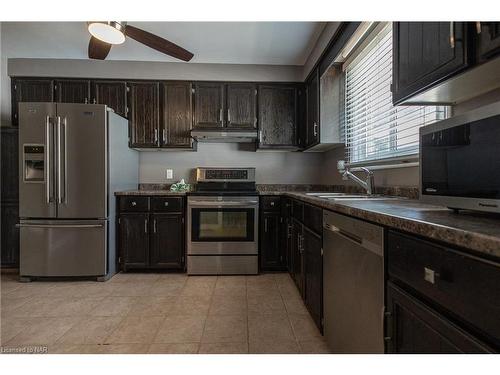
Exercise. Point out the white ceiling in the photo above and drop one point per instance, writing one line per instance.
(279, 43)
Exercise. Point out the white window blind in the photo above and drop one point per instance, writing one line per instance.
(374, 128)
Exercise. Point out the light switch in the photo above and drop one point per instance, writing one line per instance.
(170, 174)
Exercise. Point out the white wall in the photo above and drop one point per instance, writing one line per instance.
(272, 167)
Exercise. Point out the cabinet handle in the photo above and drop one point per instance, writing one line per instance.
(145, 225)
(134, 203)
(156, 135)
(272, 203)
(164, 136)
(220, 117)
(289, 231)
(478, 27)
(86, 101)
(452, 34)
(315, 129)
(260, 136)
(430, 275)
(265, 225)
(228, 116)
(94, 101)
(154, 225)
(165, 204)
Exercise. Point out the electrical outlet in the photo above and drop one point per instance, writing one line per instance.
(170, 174)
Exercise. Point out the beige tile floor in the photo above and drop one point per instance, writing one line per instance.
(159, 313)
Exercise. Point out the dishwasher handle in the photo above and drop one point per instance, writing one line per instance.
(366, 243)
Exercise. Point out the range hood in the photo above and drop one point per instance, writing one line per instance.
(224, 136)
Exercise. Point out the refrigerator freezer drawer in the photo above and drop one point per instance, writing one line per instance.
(63, 248)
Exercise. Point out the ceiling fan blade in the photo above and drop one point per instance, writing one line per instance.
(98, 49)
(157, 43)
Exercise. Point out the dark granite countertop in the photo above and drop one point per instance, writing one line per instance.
(471, 230)
(149, 192)
(475, 231)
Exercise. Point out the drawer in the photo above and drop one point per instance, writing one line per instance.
(313, 218)
(466, 286)
(167, 204)
(270, 203)
(298, 210)
(134, 204)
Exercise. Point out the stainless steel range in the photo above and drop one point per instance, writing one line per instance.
(223, 214)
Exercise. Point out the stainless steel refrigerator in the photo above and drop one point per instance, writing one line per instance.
(72, 159)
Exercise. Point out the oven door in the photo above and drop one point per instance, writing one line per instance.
(222, 225)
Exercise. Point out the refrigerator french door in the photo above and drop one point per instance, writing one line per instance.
(63, 189)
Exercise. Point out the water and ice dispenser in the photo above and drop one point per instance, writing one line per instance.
(34, 163)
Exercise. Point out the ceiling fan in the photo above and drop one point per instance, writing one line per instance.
(105, 34)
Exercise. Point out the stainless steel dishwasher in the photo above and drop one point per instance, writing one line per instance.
(353, 284)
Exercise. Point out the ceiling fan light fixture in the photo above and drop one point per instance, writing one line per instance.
(111, 32)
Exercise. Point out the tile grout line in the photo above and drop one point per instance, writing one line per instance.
(206, 316)
(289, 320)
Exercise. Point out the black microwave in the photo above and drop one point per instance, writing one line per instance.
(460, 161)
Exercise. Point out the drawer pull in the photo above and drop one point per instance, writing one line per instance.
(430, 275)
(272, 203)
(165, 204)
(134, 203)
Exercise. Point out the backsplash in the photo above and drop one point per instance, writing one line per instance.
(399, 191)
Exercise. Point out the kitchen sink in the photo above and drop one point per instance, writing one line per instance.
(346, 196)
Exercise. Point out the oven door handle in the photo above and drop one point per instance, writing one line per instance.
(217, 203)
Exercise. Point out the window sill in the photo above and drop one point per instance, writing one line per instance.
(391, 163)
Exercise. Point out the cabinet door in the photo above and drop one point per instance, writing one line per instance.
(134, 240)
(286, 232)
(241, 106)
(271, 256)
(10, 234)
(425, 53)
(144, 122)
(208, 105)
(9, 164)
(73, 91)
(30, 90)
(312, 127)
(313, 276)
(301, 116)
(167, 250)
(177, 114)
(488, 40)
(414, 328)
(297, 257)
(111, 93)
(277, 116)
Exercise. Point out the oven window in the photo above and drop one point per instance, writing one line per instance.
(222, 224)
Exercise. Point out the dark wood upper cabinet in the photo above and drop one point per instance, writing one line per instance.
(313, 275)
(488, 40)
(30, 90)
(167, 250)
(208, 105)
(241, 105)
(277, 116)
(426, 53)
(72, 91)
(144, 114)
(301, 116)
(134, 240)
(111, 93)
(312, 128)
(177, 112)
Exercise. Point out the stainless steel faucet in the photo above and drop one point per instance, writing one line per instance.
(368, 184)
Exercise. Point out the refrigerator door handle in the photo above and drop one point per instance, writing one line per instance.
(61, 160)
(48, 150)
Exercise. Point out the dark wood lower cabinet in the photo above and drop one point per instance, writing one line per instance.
(313, 275)
(134, 240)
(10, 234)
(151, 233)
(271, 251)
(167, 250)
(297, 271)
(414, 328)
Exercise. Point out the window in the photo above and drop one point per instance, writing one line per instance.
(374, 128)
